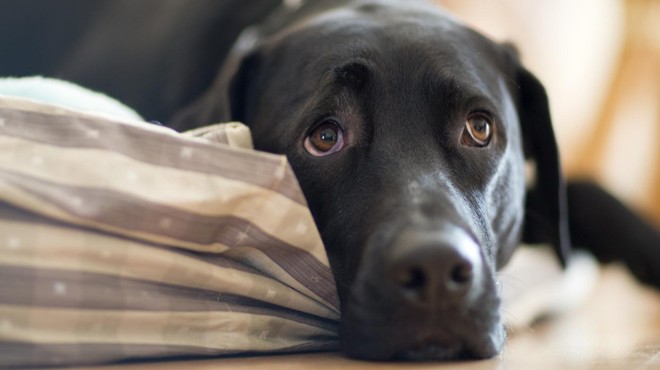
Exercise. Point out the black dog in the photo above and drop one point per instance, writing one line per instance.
(408, 132)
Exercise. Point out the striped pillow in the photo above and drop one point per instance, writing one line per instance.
(121, 240)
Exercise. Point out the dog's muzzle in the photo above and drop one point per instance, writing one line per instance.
(428, 295)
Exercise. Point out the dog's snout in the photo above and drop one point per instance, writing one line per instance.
(417, 299)
(434, 268)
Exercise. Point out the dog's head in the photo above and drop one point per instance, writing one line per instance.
(409, 134)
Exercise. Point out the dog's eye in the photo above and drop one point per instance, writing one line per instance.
(478, 131)
(327, 138)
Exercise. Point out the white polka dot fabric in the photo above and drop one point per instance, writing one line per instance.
(123, 240)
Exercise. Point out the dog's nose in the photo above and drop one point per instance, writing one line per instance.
(434, 268)
(433, 273)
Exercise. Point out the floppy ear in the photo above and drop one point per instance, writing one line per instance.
(546, 213)
(226, 99)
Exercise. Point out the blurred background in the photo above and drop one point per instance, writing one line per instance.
(600, 63)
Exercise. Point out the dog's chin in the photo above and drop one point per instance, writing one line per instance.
(373, 328)
(431, 350)
(435, 351)
(489, 346)
(397, 342)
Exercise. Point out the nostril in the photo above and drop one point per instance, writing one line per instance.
(461, 274)
(414, 283)
(412, 278)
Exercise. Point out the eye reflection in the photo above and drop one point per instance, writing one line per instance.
(478, 131)
(327, 138)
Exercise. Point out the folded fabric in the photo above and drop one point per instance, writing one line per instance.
(123, 240)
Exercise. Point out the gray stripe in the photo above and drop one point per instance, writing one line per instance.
(42, 287)
(150, 147)
(11, 213)
(131, 213)
(22, 355)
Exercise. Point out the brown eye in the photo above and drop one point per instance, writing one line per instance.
(478, 131)
(327, 138)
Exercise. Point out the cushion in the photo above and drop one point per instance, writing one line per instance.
(122, 240)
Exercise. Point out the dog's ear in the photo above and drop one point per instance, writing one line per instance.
(546, 213)
(226, 99)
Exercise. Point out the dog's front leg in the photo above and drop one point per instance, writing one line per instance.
(603, 225)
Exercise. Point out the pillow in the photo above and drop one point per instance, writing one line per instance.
(122, 240)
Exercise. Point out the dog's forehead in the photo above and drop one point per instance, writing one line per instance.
(388, 33)
(378, 23)
(380, 12)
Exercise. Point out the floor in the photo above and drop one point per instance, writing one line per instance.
(619, 328)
